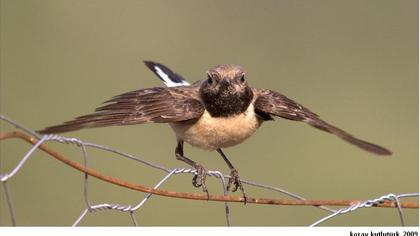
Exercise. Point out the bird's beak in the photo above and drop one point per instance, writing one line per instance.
(224, 82)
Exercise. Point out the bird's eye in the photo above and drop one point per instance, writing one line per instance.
(209, 79)
(242, 78)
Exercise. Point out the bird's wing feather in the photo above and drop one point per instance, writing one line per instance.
(159, 105)
(269, 102)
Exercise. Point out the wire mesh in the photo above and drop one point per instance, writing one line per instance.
(168, 173)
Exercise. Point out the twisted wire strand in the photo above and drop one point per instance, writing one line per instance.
(170, 172)
(370, 203)
(80, 143)
(123, 208)
(131, 209)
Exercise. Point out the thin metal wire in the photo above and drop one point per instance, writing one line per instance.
(85, 177)
(123, 208)
(133, 218)
(132, 157)
(399, 209)
(78, 142)
(222, 180)
(156, 186)
(370, 203)
(76, 223)
(6, 176)
(19, 126)
(10, 203)
(170, 172)
(185, 170)
(293, 195)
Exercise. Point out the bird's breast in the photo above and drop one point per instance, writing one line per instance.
(211, 133)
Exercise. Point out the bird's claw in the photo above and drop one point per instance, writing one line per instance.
(199, 179)
(236, 181)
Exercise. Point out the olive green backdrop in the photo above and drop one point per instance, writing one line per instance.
(353, 62)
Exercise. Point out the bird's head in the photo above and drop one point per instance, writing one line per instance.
(225, 92)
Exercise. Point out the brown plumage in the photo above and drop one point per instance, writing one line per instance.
(159, 105)
(177, 104)
(214, 113)
(274, 103)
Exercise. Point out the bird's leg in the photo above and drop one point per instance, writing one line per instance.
(234, 176)
(199, 179)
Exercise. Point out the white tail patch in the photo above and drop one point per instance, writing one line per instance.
(167, 80)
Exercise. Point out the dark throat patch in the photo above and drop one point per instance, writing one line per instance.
(225, 103)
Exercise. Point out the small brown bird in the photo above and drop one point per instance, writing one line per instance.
(214, 113)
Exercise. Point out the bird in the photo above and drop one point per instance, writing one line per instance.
(218, 111)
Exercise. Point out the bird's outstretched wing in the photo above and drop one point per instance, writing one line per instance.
(273, 103)
(159, 105)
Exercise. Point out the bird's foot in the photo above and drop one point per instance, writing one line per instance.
(236, 181)
(199, 179)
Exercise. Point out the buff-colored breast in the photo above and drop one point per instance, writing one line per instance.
(211, 133)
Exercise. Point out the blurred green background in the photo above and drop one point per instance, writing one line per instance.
(353, 62)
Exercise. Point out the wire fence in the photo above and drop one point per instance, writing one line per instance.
(39, 142)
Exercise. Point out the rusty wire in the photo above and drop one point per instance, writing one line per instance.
(38, 142)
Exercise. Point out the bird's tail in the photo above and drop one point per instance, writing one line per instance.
(170, 78)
